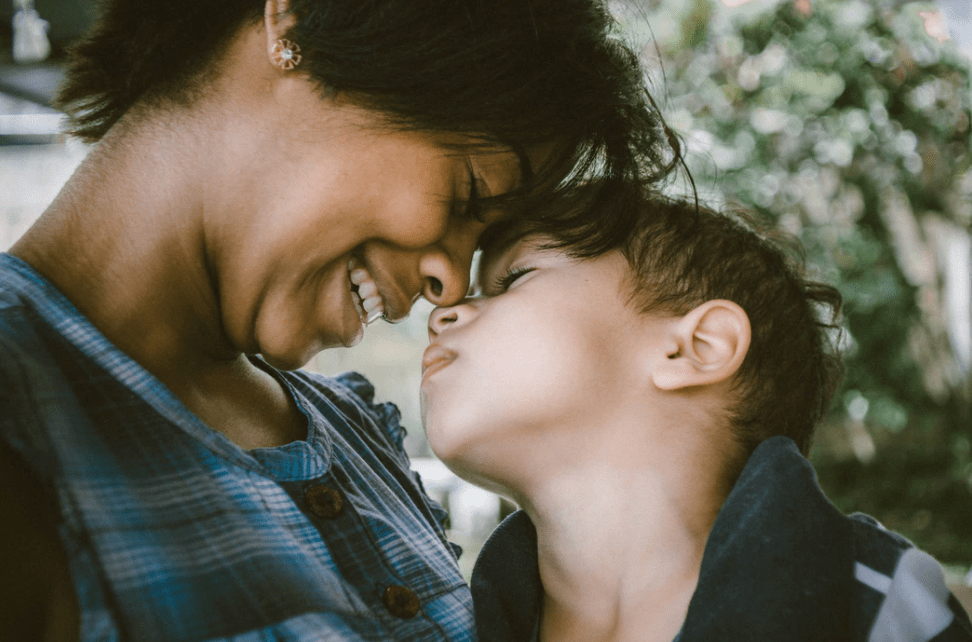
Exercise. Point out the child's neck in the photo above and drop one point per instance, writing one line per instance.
(621, 543)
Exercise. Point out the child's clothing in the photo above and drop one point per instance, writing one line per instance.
(781, 564)
(173, 533)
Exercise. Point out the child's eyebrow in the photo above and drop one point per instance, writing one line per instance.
(499, 238)
(476, 287)
(486, 265)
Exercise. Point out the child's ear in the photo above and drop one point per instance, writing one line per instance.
(706, 346)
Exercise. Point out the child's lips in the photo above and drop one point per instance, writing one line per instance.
(435, 358)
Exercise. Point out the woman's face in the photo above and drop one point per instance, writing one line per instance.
(333, 219)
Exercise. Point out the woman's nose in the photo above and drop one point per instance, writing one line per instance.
(445, 269)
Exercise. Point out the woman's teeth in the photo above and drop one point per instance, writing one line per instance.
(364, 292)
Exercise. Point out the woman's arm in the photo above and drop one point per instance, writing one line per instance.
(37, 600)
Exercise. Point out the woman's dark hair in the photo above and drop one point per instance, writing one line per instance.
(509, 72)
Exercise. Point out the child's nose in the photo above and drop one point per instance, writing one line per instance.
(459, 314)
(440, 319)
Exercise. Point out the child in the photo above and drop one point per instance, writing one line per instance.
(650, 407)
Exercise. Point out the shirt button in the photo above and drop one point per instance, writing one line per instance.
(324, 501)
(400, 602)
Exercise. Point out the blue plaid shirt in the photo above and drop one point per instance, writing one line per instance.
(174, 533)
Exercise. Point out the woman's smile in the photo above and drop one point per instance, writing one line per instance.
(338, 227)
(364, 292)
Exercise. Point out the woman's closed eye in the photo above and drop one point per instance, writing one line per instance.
(473, 209)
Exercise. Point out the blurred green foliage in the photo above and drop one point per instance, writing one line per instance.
(849, 125)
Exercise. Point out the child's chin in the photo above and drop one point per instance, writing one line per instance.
(453, 454)
(446, 450)
(446, 439)
(470, 467)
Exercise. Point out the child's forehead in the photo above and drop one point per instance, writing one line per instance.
(507, 249)
(499, 239)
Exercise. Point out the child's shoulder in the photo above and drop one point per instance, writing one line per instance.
(901, 590)
(875, 546)
(790, 551)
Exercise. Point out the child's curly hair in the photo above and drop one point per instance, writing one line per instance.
(682, 254)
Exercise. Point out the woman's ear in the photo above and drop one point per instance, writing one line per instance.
(706, 346)
(278, 20)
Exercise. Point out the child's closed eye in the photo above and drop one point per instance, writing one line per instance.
(503, 283)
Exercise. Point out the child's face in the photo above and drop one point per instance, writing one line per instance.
(547, 353)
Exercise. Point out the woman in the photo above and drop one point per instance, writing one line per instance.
(268, 179)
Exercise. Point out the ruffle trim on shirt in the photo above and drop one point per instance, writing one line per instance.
(387, 414)
(440, 515)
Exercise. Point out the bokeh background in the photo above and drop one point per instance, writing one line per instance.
(848, 124)
(845, 122)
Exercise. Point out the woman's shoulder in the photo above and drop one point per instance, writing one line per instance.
(27, 370)
(30, 309)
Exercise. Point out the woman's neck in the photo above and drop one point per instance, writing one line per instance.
(123, 242)
(621, 543)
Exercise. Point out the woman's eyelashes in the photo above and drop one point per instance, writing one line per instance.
(473, 209)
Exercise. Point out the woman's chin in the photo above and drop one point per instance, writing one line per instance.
(285, 362)
(290, 357)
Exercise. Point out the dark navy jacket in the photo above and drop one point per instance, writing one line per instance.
(781, 564)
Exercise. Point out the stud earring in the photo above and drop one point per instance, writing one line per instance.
(286, 54)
